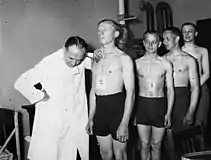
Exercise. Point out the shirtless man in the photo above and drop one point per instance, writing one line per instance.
(153, 109)
(186, 81)
(201, 55)
(110, 107)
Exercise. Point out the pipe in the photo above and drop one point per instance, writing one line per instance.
(146, 6)
(164, 16)
(122, 10)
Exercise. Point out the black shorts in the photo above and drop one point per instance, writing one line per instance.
(108, 114)
(151, 111)
(181, 106)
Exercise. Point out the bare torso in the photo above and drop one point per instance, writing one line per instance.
(180, 64)
(107, 74)
(151, 76)
(197, 53)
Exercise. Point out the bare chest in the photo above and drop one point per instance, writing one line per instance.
(108, 65)
(151, 70)
(179, 67)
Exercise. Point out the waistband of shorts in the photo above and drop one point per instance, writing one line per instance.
(111, 95)
(152, 98)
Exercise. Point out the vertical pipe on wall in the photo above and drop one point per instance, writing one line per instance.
(149, 14)
(122, 10)
(164, 16)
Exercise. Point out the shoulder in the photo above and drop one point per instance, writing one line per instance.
(189, 59)
(124, 57)
(139, 61)
(165, 62)
(51, 59)
(202, 50)
(54, 56)
(165, 56)
(185, 56)
(125, 60)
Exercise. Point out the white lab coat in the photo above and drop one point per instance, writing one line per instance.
(59, 123)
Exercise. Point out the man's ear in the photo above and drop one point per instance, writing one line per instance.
(177, 38)
(143, 42)
(159, 43)
(116, 34)
(196, 33)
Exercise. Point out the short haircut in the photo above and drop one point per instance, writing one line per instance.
(176, 31)
(75, 40)
(189, 24)
(123, 33)
(156, 33)
(112, 22)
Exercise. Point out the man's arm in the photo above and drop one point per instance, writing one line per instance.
(205, 67)
(194, 84)
(25, 84)
(92, 99)
(129, 83)
(170, 87)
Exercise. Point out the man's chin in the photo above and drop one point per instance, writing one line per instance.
(188, 40)
(151, 51)
(70, 65)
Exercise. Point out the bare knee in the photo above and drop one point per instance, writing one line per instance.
(145, 146)
(106, 154)
(120, 154)
(156, 146)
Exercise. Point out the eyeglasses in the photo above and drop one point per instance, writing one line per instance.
(187, 32)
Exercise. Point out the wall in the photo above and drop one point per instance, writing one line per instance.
(190, 10)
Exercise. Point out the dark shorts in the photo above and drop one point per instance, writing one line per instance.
(151, 111)
(108, 114)
(203, 106)
(181, 106)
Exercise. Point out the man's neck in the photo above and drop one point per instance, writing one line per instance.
(175, 51)
(151, 55)
(108, 49)
(189, 44)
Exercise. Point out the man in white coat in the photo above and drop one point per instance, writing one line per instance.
(61, 103)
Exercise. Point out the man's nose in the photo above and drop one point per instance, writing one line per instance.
(186, 33)
(150, 44)
(101, 33)
(74, 62)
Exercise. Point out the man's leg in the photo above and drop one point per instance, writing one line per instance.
(120, 150)
(144, 133)
(156, 140)
(203, 106)
(168, 146)
(106, 147)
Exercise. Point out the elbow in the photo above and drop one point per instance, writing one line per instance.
(130, 92)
